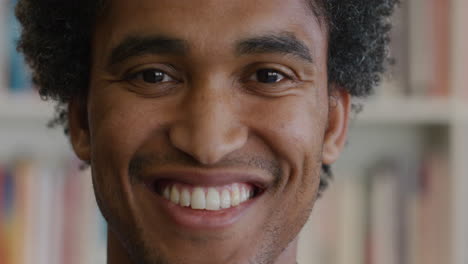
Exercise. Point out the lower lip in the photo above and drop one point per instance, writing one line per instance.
(203, 219)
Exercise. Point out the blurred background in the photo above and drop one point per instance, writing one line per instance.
(399, 194)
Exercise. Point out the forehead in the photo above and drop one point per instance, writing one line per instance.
(209, 24)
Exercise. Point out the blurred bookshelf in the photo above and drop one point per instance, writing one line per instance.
(48, 213)
(399, 189)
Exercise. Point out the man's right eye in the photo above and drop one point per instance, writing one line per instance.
(152, 82)
(151, 76)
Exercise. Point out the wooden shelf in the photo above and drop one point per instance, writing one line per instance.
(408, 111)
(25, 108)
(412, 111)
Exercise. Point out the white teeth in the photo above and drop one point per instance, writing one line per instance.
(225, 199)
(235, 195)
(209, 198)
(198, 199)
(167, 193)
(243, 194)
(185, 198)
(212, 199)
(175, 195)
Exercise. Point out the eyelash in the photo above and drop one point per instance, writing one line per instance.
(250, 81)
(134, 75)
(284, 76)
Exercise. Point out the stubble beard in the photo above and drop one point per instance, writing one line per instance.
(275, 240)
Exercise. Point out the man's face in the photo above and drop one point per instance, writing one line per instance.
(223, 101)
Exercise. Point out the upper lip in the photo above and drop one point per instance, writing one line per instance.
(209, 177)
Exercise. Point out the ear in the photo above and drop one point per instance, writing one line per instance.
(79, 129)
(337, 127)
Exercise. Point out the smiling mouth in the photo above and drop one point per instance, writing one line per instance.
(205, 200)
(209, 198)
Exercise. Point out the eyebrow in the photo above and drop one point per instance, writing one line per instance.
(285, 43)
(134, 46)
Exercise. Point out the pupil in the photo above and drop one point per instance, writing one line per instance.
(153, 76)
(267, 76)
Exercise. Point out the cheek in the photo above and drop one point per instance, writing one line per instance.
(112, 132)
(294, 130)
(293, 127)
(119, 124)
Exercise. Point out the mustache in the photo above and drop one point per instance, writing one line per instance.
(140, 162)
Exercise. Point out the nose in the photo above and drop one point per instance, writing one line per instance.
(209, 128)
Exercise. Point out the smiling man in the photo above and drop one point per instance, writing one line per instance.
(210, 125)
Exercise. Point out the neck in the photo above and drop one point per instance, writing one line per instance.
(117, 253)
(289, 255)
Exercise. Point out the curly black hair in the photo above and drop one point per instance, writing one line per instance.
(56, 41)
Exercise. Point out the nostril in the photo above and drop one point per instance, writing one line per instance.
(209, 140)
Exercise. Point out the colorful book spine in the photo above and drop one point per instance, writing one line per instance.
(429, 41)
(3, 242)
(433, 211)
(49, 215)
(395, 80)
(384, 214)
(3, 49)
(8, 214)
(19, 77)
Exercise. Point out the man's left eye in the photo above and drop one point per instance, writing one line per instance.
(267, 76)
(152, 76)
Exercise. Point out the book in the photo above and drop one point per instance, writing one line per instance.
(7, 214)
(395, 79)
(459, 49)
(3, 241)
(351, 211)
(19, 77)
(384, 213)
(48, 214)
(3, 49)
(318, 239)
(429, 42)
(433, 213)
